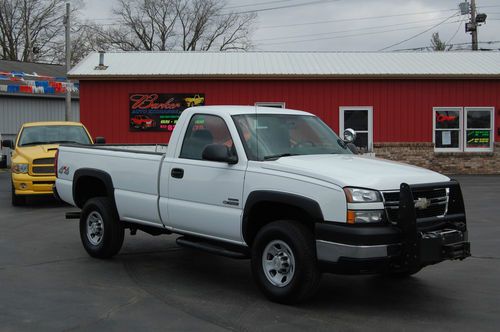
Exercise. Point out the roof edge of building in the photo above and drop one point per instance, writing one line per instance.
(281, 77)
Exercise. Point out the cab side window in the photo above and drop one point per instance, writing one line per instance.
(204, 130)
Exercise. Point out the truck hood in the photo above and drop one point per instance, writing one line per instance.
(37, 151)
(355, 171)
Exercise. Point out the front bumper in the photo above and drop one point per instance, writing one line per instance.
(410, 244)
(25, 184)
(432, 247)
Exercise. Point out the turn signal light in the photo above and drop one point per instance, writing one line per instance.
(364, 216)
(351, 216)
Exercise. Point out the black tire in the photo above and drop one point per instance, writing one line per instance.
(17, 200)
(306, 277)
(110, 242)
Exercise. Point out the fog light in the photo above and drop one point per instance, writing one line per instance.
(364, 216)
(23, 186)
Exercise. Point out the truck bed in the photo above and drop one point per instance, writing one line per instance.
(135, 171)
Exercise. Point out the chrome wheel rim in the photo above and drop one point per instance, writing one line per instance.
(278, 263)
(95, 228)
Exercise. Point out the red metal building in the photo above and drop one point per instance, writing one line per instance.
(424, 108)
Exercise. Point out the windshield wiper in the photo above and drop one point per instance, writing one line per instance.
(36, 143)
(277, 156)
(62, 142)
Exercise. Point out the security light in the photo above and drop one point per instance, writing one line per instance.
(481, 18)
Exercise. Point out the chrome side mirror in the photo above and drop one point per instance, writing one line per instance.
(349, 135)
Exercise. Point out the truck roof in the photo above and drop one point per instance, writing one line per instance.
(238, 109)
(51, 123)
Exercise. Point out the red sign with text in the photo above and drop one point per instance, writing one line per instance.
(160, 111)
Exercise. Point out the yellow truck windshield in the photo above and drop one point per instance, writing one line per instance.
(53, 135)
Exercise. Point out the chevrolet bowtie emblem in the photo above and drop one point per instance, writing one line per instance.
(422, 203)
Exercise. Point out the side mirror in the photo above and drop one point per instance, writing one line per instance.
(8, 144)
(349, 135)
(100, 140)
(218, 152)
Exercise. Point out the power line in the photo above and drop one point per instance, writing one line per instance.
(257, 4)
(345, 36)
(418, 34)
(278, 7)
(356, 19)
(351, 30)
(455, 34)
(489, 42)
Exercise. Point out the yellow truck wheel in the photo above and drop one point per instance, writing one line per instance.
(17, 200)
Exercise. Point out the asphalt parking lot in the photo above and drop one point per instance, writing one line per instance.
(49, 283)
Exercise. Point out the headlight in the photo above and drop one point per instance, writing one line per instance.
(358, 195)
(20, 168)
(364, 216)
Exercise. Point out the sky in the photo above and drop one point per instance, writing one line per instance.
(349, 25)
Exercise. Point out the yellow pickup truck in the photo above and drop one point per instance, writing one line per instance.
(33, 152)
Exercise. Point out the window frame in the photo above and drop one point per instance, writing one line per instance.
(342, 109)
(460, 128)
(491, 128)
(185, 136)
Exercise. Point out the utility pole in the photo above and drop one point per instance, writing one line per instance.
(475, 20)
(474, 24)
(68, 62)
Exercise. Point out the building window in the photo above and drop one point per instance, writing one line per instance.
(361, 120)
(463, 129)
(447, 129)
(478, 135)
(271, 104)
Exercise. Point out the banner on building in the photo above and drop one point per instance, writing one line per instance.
(160, 111)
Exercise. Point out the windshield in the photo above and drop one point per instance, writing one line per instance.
(271, 136)
(53, 135)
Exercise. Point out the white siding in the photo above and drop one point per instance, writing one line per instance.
(14, 111)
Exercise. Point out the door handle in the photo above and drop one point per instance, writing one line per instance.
(177, 173)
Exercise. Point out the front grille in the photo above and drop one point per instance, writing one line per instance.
(43, 170)
(43, 161)
(438, 206)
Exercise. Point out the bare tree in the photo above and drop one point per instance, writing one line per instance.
(205, 26)
(189, 25)
(437, 44)
(86, 37)
(30, 28)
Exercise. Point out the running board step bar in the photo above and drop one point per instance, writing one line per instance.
(217, 248)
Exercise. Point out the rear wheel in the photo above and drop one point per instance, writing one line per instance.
(17, 200)
(100, 229)
(284, 262)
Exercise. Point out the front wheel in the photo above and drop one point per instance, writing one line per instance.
(17, 200)
(284, 262)
(100, 229)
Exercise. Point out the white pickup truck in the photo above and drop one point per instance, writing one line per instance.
(276, 186)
